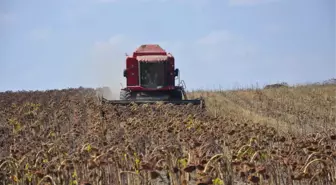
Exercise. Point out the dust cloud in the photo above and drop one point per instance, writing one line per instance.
(107, 62)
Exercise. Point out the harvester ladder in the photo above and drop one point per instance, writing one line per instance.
(184, 94)
(183, 85)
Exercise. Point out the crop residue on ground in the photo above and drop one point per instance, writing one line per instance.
(67, 137)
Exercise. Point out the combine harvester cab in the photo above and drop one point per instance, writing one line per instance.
(150, 77)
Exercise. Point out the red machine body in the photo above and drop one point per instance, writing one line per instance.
(149, 54)
(150, 77)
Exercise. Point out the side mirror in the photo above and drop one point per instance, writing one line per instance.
(125, 72)
(176, 72)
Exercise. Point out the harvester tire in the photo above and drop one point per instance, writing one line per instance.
(125, 95)
(177, 95)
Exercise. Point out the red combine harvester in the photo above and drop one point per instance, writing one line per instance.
(150, 76)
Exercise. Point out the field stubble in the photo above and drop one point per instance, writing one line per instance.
(274, 136)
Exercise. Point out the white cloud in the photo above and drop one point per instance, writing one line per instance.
(249, 2)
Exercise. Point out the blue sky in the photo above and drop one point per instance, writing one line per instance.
(48, 44)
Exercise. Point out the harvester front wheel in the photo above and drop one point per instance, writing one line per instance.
(176, 95)
(125, 95)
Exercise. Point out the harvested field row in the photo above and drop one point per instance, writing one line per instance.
(298, 110)
(66, 137)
